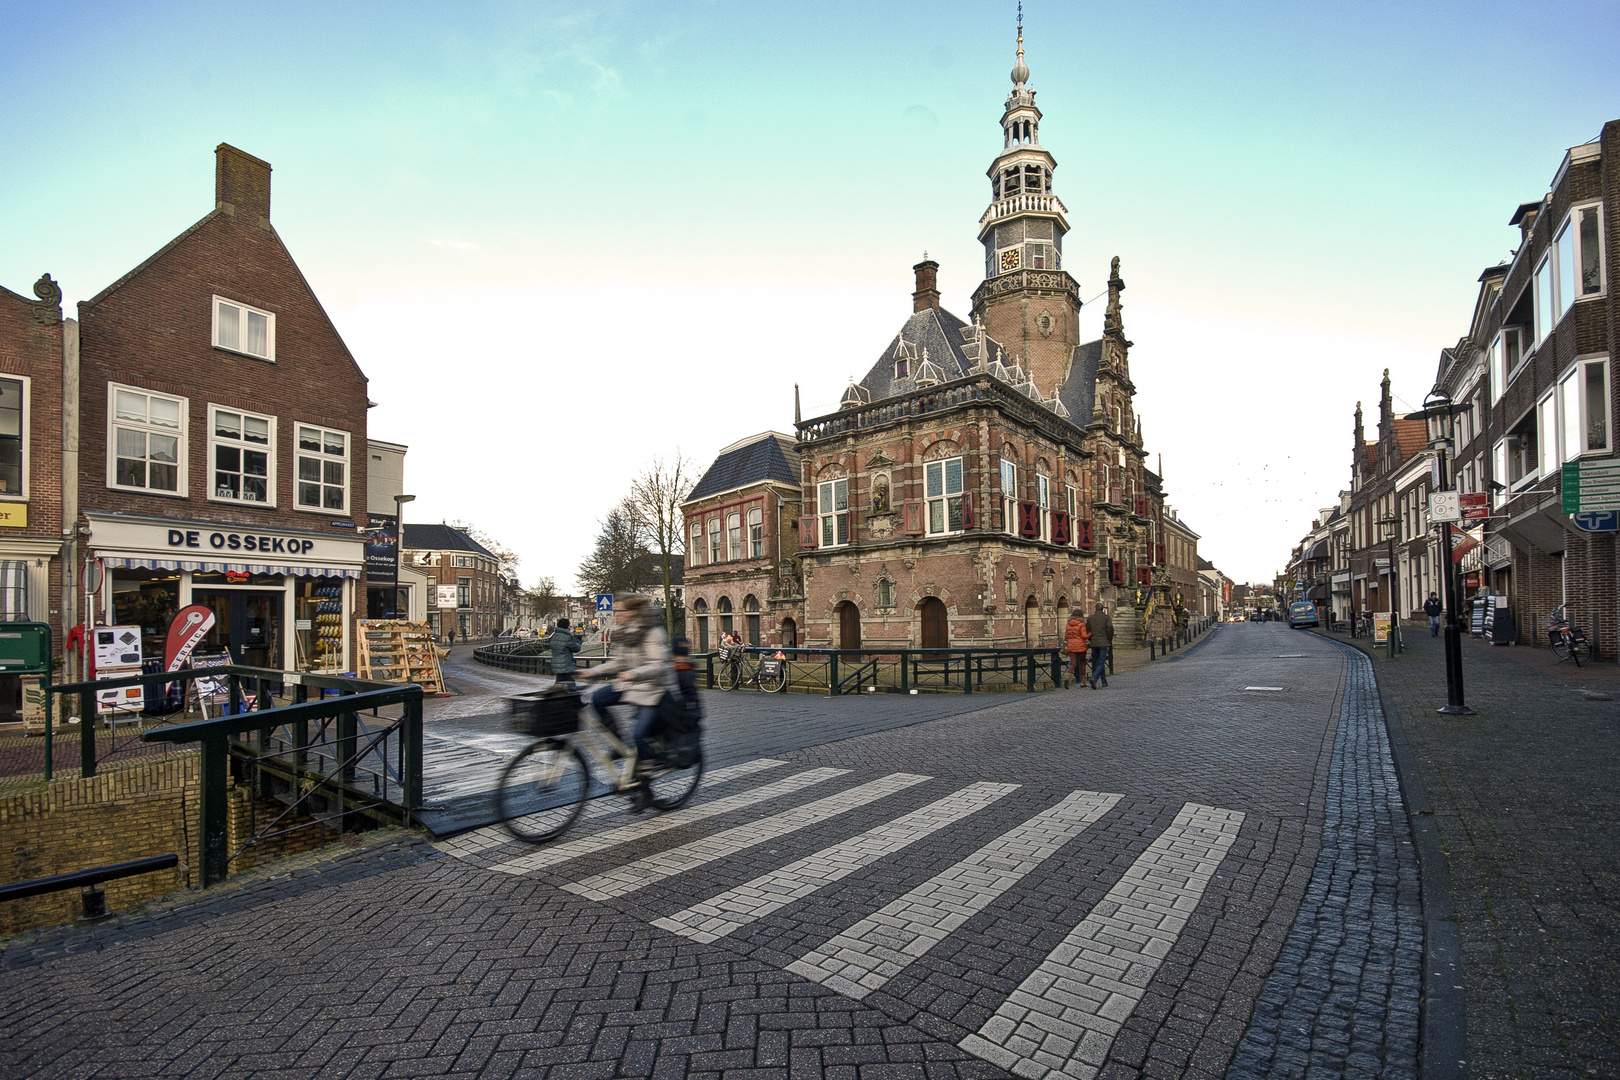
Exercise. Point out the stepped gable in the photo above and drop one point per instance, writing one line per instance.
(769, 455)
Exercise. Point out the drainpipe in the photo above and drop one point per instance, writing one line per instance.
(70, 486)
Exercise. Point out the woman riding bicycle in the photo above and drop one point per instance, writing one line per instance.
(642, 674)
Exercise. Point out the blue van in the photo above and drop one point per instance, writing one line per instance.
(1301, 613)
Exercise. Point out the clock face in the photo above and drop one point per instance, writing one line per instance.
(1010, 259)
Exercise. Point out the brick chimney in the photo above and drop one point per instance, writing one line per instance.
(926, 296)
(241, 182)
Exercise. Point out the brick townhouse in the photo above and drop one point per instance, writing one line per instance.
(220, 423)
(1537, 368)
(1389, 486)
(452, 560)
(985, 478)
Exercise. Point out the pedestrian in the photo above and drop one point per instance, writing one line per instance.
(564, 644)
(1432, 608)
(1102, 639)
(1076, 638)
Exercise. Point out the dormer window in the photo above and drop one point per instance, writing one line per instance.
(902, 367)
(242, 329)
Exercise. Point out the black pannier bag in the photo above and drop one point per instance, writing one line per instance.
(680, 729)
(546, 714)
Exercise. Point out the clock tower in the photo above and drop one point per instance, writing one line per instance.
(1028, 302)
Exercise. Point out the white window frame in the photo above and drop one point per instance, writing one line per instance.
(242, 446)
(734, 537)
(1547, 433)
(1009, 496)
(1570, 390)
(714, 541)
(1543, 298)
(756, 532)
(1580, 250)
(696, 552)
(1043, 499)
(240, 349)
(1071, 500)
(299, 454)
(1524, 357)
(938, 495)
(23, 419)
(832, 525)
(182, 478)
(1563, 251)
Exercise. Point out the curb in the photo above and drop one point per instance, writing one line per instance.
(1443, 1027)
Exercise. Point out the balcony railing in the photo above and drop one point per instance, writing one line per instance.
(974, 389)
(1025, 204)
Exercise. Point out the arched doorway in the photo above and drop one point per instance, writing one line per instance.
(790, 634)
(723, 606)
(700, 620)
(1032, 623)
(751, 610)
(849, 626)
(936, 628)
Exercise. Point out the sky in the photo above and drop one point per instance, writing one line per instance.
(565, 239)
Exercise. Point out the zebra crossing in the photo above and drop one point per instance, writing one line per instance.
(1060, 1021)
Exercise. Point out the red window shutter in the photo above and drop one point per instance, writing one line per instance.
(807, 532)
(1116, 496)
(1085, 532)
(1160, 553)
(1029, 519)
(1144, 576)
(914, 518)
(1060, 526)
(1116, 571)
(968, 520)
(1141, 508)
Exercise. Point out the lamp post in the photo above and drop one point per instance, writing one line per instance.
(1394, 588)
(399, 548)
(1438, 406)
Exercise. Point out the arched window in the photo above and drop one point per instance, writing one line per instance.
(723, 606)
(1032, 623)
(790, 634)
(700, 619)
(751, 611)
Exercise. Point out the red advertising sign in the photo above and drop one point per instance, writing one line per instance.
(189, 626)
(1475, 506)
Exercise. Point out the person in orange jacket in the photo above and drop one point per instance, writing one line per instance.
(1077, 639)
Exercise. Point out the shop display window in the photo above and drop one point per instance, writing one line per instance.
(147, 599)
(320, 622)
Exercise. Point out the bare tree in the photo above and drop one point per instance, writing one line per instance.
(655, 507)
(505, 556)
(619, 561)
(543, 598)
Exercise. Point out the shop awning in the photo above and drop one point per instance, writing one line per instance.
(1317, 592)
(1318, 550)
(138, 562)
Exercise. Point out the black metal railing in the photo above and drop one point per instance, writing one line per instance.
(93, 899)
(526, 657)
(334, 758)
(900, 671)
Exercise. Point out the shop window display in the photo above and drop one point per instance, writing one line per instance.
(320, 624)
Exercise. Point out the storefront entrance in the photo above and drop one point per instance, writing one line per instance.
(246, 622)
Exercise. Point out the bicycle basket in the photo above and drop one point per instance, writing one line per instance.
(543, 715)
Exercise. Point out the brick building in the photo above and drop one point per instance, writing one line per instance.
(453, 560)
(220, 422)
(1388, 477)
(984, 478)
(741, 575)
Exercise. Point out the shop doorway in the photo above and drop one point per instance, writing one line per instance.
(247, 624)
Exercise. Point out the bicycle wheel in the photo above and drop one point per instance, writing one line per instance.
(772, 683)
(729, 676)
(671, 789)
(1580, 650)
(543, 790)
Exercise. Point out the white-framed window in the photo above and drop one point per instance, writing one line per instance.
(1009, 496)
(14, 403)
(1547, 434)
(1587, 261)
(241, 456)
(242, 329)
(734, 548)
(714, 541)
(696, 549)
(1043, 499)
(323, 468)
(1582, 411)
(1544, 298)
(462, 560)
(1071, 505)
(942, 486)
(832, 508)
(147, 434)
(756, 533)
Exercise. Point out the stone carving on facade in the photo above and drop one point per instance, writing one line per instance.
(47, 310)
(880, 494)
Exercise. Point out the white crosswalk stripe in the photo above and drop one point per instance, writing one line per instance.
(867, 955)
(1062, 1020)
(643, 872)
(586, 845)
(720, 915)
(490, 836)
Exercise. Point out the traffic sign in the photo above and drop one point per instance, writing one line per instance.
(604, 603)
(92, 576)
(1591, 485)
(1444, 506)
(1476, 506)
(1598, 520)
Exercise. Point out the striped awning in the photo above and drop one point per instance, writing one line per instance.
(137, 563)
(14, 590)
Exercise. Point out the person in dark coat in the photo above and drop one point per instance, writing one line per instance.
(564, 644)
(1432, 608)
(1102, 639)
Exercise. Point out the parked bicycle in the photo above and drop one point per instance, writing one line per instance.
(769, 673)
(543, 788)
(1568, 640)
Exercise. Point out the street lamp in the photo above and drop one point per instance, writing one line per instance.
(1390, 524)
(399, 549)
(1438, 406)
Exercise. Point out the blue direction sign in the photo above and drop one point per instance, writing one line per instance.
(1598, 520)
(604, 603)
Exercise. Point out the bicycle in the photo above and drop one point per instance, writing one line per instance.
(1568, 641)
(543, 788)
(769, 673)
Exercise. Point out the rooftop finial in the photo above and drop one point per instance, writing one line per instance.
(1020, 71)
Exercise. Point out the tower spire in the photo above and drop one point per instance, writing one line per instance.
(1020, 71)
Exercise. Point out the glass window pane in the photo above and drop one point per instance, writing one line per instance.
(164, 478)
(1547, 434)
(255, 463)
(163, 448)
(827, 531)
(11, 400)
(334, 443)
(127, 406)
(333, 473)
(933, 476)
(228, 425)
(953, 514)
(226, 485)
(1543, 301)
(256, 429)
(334, 498)
(255, 489)
(953, 476)
(131, 444)
(131, 473)
(258, 334)
(309, 438)
(164, 412)
(309, 468)
(841, 495)
(843, 528)
(228, 458)
(1569, 392)
(309, 494)
(1566, 270)
(1591, 252)
(228, 321)
(1597, 406)
(936, 515)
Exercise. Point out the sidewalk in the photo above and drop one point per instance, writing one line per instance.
(1523, 798)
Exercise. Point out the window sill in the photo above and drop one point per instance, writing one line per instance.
(241, 502)
(334, 514)
(244, 355)
(149, 491)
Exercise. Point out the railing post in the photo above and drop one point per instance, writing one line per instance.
(832, 673)
(1150, 650)
(44, 686)
(266, 785)
(968, 672)
(709, 665)
(87, 733)
(1110, 659)
(411, 741)
(905, 680)
(235, 687)
(346, 730)
(1030, 675)
(212, 833)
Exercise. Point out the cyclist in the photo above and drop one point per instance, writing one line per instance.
(642, 674)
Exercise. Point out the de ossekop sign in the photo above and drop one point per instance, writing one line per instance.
(229, 541)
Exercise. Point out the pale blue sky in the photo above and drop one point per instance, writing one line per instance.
(561, 238)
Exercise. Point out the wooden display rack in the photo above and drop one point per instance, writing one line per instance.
(393, 650)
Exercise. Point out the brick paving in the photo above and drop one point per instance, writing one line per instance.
(404, 960)
(1522, 797)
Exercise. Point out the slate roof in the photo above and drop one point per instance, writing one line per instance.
(767, 456)
(940, 333)
(442, 538)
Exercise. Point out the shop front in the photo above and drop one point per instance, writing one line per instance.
(281, 598)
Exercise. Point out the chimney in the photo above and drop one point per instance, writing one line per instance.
(241, 183)
(926, 296)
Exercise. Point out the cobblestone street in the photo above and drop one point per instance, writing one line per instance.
(1204, 867)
